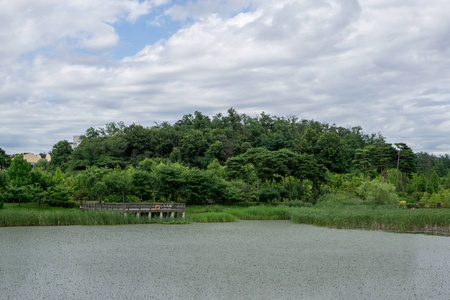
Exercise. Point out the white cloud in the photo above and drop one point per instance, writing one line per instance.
(378, 64)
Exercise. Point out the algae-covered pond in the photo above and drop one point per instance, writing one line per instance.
(241, 260)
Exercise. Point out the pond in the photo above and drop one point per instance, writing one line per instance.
(241, 260)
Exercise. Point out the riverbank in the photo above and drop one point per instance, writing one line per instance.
(333, 215)
(369, 217)
(29, 214)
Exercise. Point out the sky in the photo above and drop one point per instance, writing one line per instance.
(66, 66)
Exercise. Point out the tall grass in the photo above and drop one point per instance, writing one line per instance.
(209, 217)
(261, 213)
(56, 216)
(215, 213)
(375, 218)
(334, 211)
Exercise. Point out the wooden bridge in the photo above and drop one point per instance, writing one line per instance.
(139, 208)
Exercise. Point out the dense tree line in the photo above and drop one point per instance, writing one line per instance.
(226, 158)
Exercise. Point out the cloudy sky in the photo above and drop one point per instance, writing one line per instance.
(68, 65)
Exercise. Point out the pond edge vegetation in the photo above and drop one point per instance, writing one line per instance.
(343, 214)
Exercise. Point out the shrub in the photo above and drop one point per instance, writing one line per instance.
(132, 198)
(268, 194)
(58, 203)
(378, 192)
(298, 203)
(1, 204)
(113, 198)
(340, 197)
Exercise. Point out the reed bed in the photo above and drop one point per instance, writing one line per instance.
(376, 218)
(329, 214)
(211, 217)
(54, 217)
(261, 213)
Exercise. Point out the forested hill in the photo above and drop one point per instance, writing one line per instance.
(228, 159)
(197, 139)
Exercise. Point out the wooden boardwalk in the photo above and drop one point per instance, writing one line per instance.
(139, 208)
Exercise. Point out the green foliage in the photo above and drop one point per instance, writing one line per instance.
(373, 217)
(269, 194)
(298, 203)
(42, 164)
(19, 171)
(61, 154)
(441, 198)
(235, 192)
(261, 213)
(216, 168)
(212, 217)
(378, 192)
(170, 180)
(1, 204)
(61, 193)
(118, 182)
(4, 180)
(340, 198)
(106, 151)
(230, 158)
(51, 216)
(144, 184)
(5, 160)
(433, 185)
(23, 193)
(333, 152)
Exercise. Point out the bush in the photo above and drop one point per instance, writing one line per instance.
(298, 203)
(58, 203)
(342, 198)
(132, 198)
(113, 198)
(268, 194)
(1, 204)
(378, 192)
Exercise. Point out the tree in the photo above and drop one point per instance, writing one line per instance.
(4, 180)
(262, 161)
(235, 168)
(61, 154)
(118, 182)
(144, 184)
(42, 180)
(19, 171)
(363, 161)
(433, 185)
(405, 163)
(307, 143)
(332, 152)
(378, 192)
(61, 193)
(89, 183)
(216, 151)
(286, 164)
(216, 168)
(5, 160)
(170, 181)
(42, 164)
(384, 157)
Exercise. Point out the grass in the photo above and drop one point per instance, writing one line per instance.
(335, 212)
(375, 218)
(30, 214)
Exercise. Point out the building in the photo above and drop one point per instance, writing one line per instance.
(76, 141)
(32, 159)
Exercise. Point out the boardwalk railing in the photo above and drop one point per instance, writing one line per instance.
(147, 208)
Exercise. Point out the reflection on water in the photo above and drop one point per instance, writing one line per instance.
(242, 260)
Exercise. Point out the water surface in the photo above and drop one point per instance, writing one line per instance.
(242, 260)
